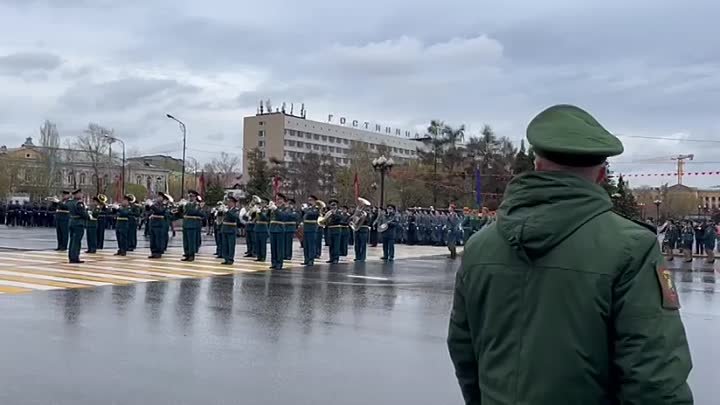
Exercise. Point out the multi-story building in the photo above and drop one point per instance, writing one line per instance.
(286, 137)
(35, 171)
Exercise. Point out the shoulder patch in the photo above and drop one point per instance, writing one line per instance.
(669, 293)
(645, 225)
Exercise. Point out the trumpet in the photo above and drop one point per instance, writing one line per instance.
(53, 199)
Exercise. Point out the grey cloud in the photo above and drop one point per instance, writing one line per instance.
(28, 62)
(123, 94)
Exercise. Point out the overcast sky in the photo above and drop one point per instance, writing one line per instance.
(643, 68)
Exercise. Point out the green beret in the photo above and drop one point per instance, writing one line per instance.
(568, 133)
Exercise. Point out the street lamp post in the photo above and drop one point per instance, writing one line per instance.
(657, 210)
(699, 208)
(382, 165)
(642, 210)
(112, 139)
(184, 132)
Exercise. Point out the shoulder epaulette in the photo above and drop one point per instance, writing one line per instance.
(645, 225)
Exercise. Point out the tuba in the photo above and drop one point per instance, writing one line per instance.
(102, 198)
(359, 216)
(322, 221)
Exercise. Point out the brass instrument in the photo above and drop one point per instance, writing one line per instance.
(53, 199)
(320, 204)
(322, 221)
(271, 206)
(359, 216)
(102, 198)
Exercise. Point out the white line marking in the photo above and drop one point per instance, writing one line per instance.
(98, 275)
(52, 278)
(368, 277)
(132, 271)
(19, 259)
(28, 285)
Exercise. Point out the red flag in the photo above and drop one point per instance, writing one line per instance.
(118, 189)
(276, 185)
(201, 186)
(356, 186)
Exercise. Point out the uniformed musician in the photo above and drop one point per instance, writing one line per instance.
(277, 233)
(388, 237)
(291, 223)
(191, 215)
(158, 217)
(362, 233)
(230, 222)
(334, 229)
(310, 230)
(78, 217)
(136, 211)
(122, 228)
(62, 219)
(344, 230)
(262, 220)
(92, 225)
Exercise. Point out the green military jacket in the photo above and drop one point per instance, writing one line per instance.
(192, 216)
(562, 301)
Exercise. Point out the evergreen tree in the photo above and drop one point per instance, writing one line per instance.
(213, 194)
(624, 201)
(260, 178)
(523, 162)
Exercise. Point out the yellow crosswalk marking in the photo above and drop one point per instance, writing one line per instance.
(27, 281)
(120, 275)
(120, 269)
(79, 275)
(13, 290)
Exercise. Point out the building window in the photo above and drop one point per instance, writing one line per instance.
(344, 161)
(285, 142)
(261, 122)
(70, 178)
(324, 138)
(308, 135)
(316, 147)
(138, 180)
(345, 141)
(316, 137)
(300, 144)
(324, 148)
(331, 139)
(337, 160)
(332, 149)
(292, 143)
(262, 155)
(261, 133)
(261, 144)
(309, 146)
(27, 176)
(82, 178)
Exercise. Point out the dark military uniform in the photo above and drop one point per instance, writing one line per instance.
(262, 220)
(250, 234)
(228, 229)
(92, 226)
(158, 217)
(543, 317)
(362, 233)
(192, 228)
(310, 231)
(78, 219)
(62, 221)
(334, 229)
(344, 222)
(135, 213)
(102, 224)
(291, 222)
(277, 238)
(388, 237)
(122, 230)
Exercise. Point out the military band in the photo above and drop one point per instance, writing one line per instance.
(262, 219)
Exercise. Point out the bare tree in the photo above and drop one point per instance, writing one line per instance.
(95, 147)
(50, 142)
(226, 167)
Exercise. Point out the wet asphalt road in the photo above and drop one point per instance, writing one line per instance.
(302, 337)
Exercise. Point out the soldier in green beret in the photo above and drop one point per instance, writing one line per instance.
(561, 300)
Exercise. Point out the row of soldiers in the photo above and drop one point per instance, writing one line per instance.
(27, 214)
(682, 235)
(280, 221)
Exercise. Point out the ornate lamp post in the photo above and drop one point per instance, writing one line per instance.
(642, 210)
(657, 210)
(382, 165)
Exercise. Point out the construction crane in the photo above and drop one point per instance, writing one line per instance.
(663, 159)
(681, 165)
